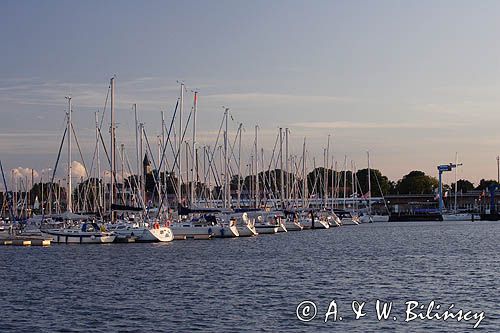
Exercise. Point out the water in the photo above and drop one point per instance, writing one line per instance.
(255, 284)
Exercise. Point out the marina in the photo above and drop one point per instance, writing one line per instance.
(249, 166)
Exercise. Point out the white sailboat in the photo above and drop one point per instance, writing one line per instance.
(369, 217)
(87, 233)
(245, 225)
(313, 221)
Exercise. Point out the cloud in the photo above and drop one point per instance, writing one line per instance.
(21, 172)
(78, 170)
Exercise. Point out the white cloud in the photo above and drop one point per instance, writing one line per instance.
(78, 170)
(21, 172)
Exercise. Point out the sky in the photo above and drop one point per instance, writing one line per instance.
(412, 82)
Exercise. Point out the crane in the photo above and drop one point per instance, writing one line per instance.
(443, 168)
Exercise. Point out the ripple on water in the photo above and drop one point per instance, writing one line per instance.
(254, 284)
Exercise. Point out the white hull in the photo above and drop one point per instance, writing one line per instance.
(161, 234)
(264, 229)
(318, 224)
(334, 221)
(144, 234)
(282, 227)
(246, 231)
(460, 217)
(79, 237)
(225, 231)
(188, 230)
(374, 218)
(293, 226)
(349, 221)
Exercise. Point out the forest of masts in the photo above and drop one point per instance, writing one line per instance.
(216, 175)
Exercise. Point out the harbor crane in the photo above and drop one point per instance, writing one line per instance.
(443, 168)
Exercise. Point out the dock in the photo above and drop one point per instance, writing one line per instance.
(25, 241)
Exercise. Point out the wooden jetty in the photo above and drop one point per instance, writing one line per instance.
(25, 241)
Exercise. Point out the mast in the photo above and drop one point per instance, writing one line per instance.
(226, 164)
(122, 155)
(353, 185)
(456, 170)
(99, 192)
(256, 169)
(287, 166)
(193, 164)
(304, 176)
(239, 167)
(325, 174)
(137, 153)
(179, 152)
(369, 185)
(141, 176)
(113, 151)
(345, 178)
(282, 178)
(160, 162)
(69, 201)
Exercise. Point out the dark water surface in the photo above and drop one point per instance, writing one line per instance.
(255, 284)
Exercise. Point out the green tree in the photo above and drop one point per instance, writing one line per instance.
(463, 185)
(385, 183)
(416, 182)
(483, 184)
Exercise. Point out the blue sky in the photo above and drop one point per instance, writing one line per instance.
(413, 82)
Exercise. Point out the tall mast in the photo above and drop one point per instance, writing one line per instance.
(179, 152)
(137, 153)
(256, 169)
(122, 156)
(113, 150)
(353, 185)
(99, 192)
(345, 178)
(325, 174)
(304, 176)
(239, 166)
(456, 170)
(282, 178)
(69, 202)
(193, 164)
(369, 185)
(287, 166)
(142, 181)
(163, 145)
(226, 165)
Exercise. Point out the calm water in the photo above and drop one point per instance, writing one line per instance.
(255, 284)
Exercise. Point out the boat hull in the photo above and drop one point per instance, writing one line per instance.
(318, 224)
(64, 237)
(293, 226)
(189, 231)
(246, 231)
(266, 229)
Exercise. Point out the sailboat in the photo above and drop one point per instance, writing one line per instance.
(455, 215)
(245, 225)
(78, 233)
(86, 233)
(370, 217)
